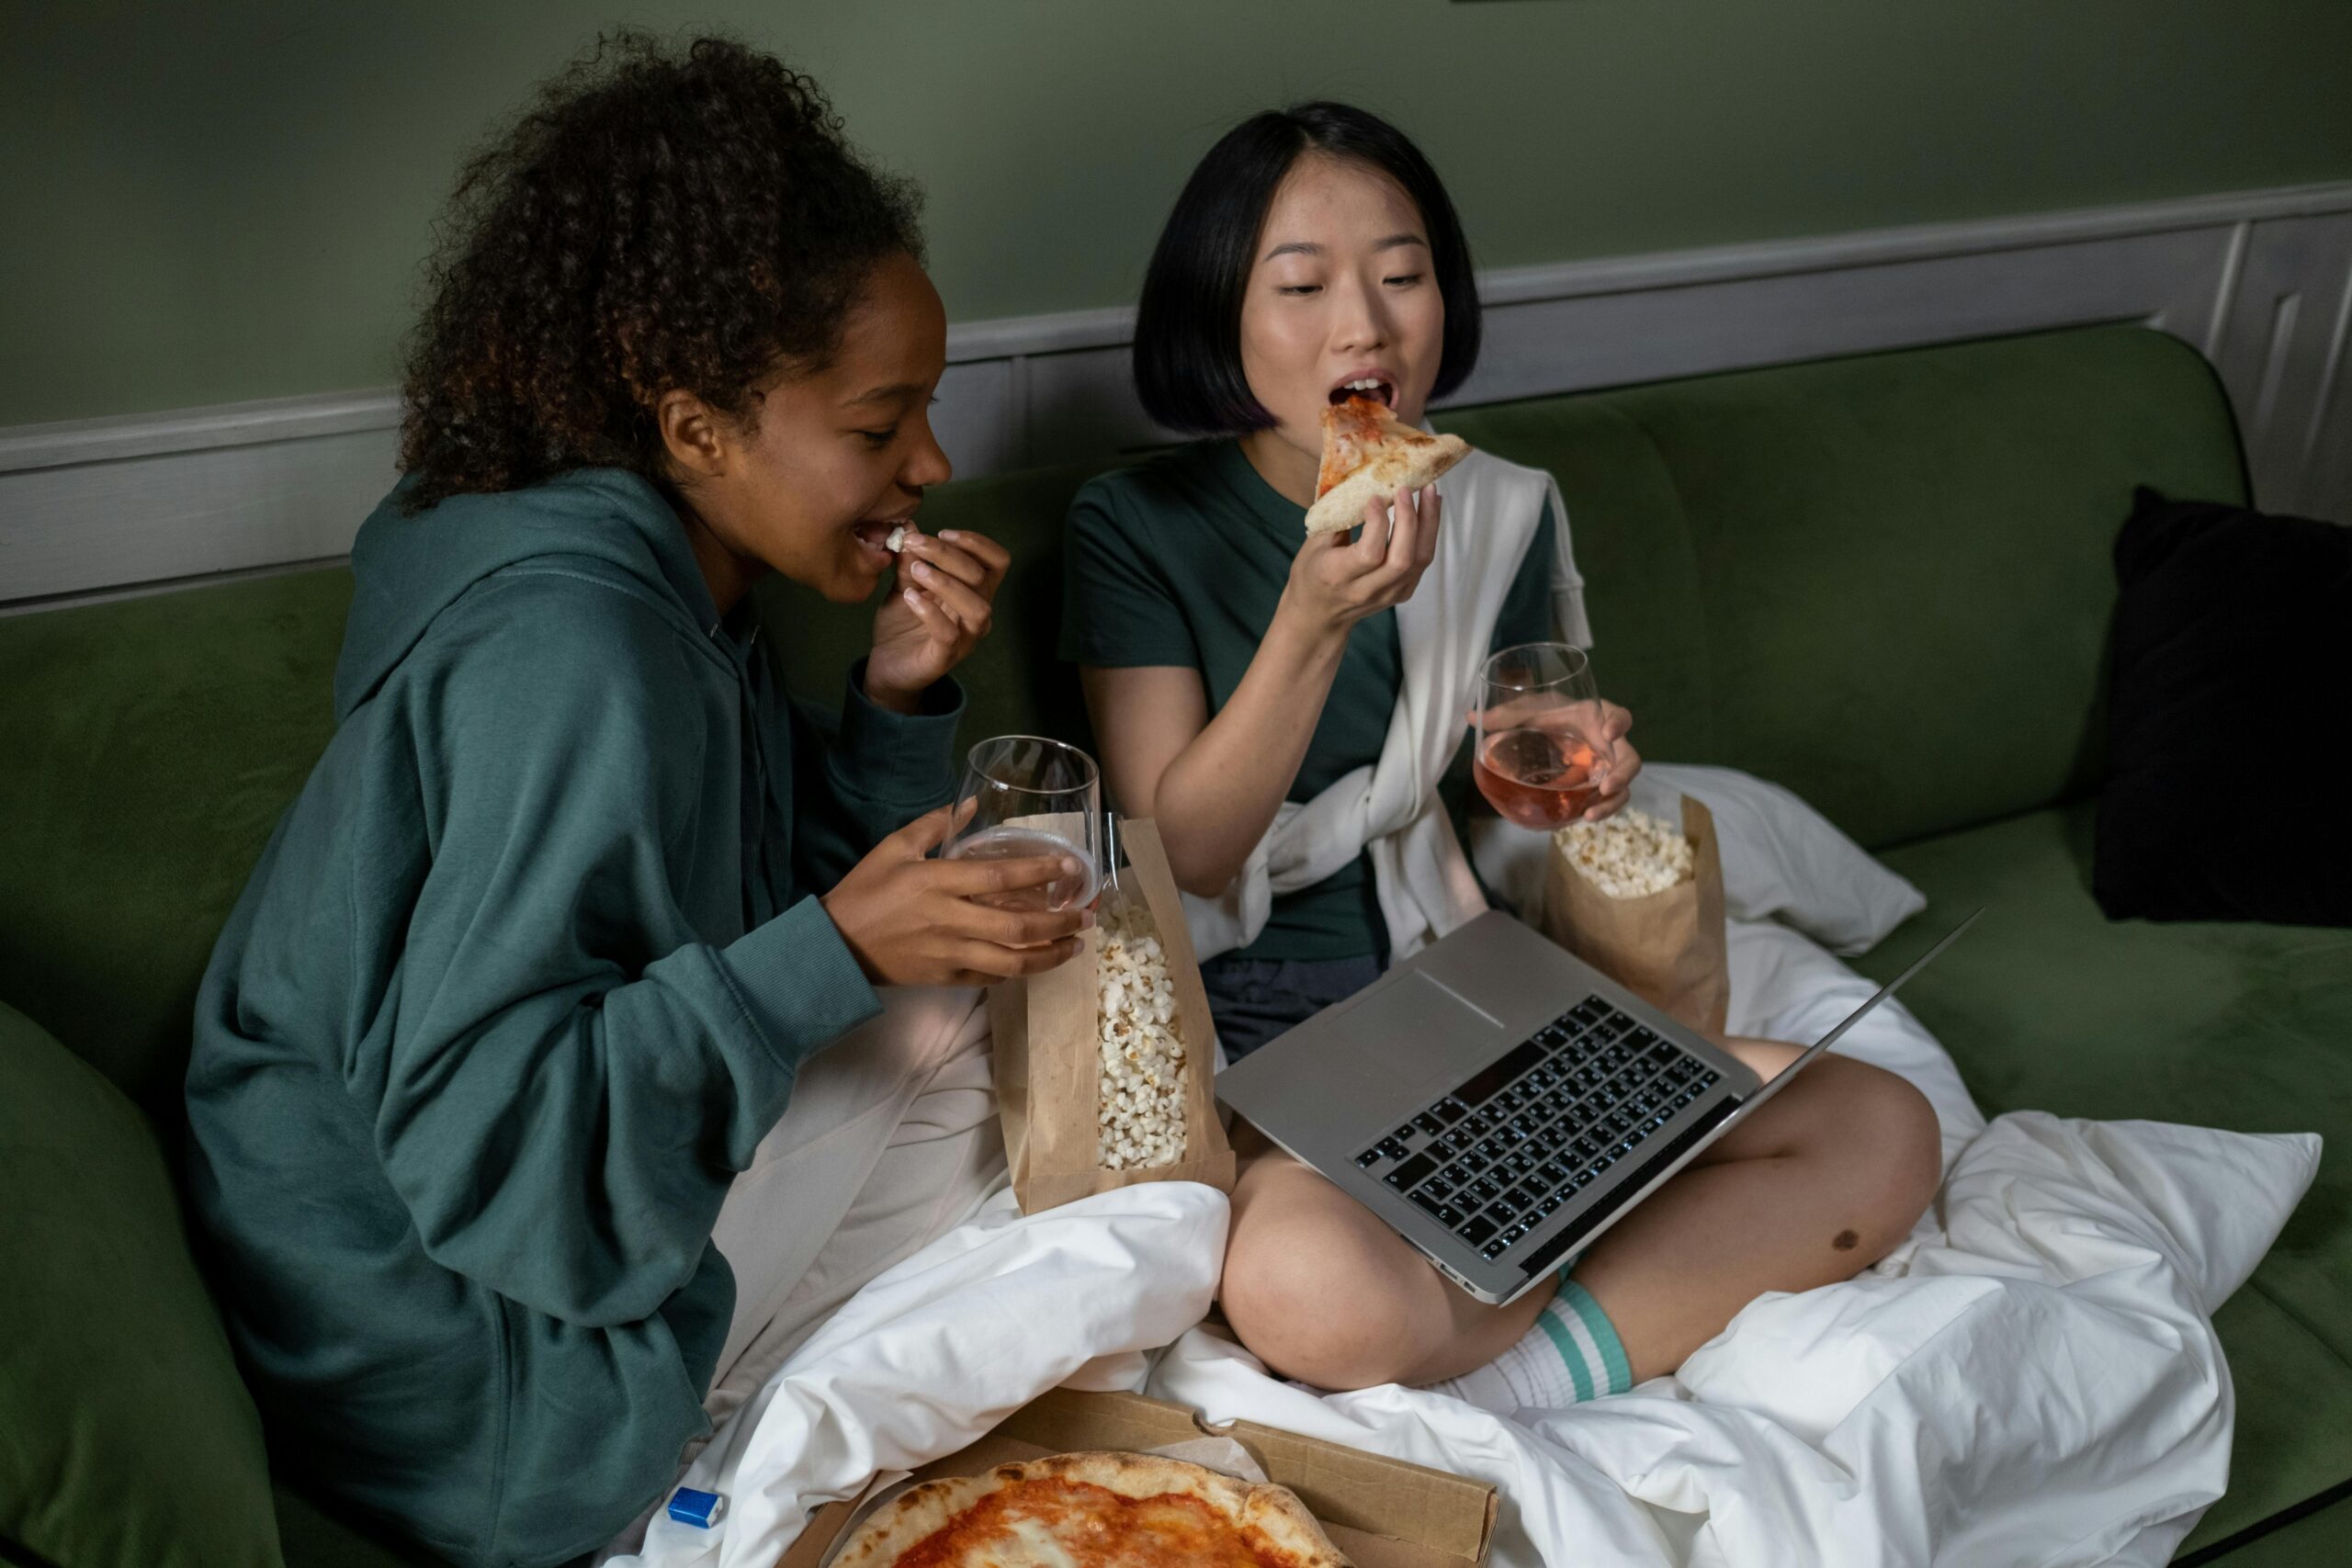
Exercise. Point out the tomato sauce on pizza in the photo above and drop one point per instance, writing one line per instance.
(1352, 428)
(1095, 1528)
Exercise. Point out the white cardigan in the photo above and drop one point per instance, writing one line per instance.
(1444, 632)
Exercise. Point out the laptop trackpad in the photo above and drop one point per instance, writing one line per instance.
(1417, 1030)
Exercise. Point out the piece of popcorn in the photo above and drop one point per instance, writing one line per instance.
(896, 542)
(1630, 855)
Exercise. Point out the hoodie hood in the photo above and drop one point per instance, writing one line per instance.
(407, 570)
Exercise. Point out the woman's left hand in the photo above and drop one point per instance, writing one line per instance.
(940, 605)
(1601, 725)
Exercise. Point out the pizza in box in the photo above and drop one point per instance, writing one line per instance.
(1092, 1510)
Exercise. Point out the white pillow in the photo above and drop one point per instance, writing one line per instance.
(1782, 860)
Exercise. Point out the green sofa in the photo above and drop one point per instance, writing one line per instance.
(1883, 582)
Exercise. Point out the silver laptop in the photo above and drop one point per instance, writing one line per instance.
(1500, 1102)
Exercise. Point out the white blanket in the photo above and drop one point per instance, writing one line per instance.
(2033, 1378)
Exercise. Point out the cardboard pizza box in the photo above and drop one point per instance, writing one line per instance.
(1380, 1512)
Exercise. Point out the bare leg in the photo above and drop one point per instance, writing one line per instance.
(1813, 1189)
(1319, 1289)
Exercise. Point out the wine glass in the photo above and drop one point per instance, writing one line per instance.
(1540, 752)
(1024, 795)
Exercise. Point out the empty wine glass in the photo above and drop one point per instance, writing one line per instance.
(1024, 795)
(1540, 751)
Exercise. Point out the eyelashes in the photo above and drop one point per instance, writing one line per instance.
(879, 439)
(1299, 290)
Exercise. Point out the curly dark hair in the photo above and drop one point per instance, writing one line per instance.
(658, 217)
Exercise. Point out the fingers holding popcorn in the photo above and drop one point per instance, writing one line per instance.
(974, 560)
(964, 606)
(943, 603)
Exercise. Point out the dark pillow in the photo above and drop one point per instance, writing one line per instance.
(2225, 795)
(125, 1435)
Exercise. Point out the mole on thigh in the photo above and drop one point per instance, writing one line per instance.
(1846, 1241)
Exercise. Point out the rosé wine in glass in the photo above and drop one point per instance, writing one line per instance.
(1541, 756)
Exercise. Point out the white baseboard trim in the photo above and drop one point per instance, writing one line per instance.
(2259, 281)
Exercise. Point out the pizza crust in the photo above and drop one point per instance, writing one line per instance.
(1341, 507)
(1271, 1512)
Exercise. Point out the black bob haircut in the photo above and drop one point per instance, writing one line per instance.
(1188, 324)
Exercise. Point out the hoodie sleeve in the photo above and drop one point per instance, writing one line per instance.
(569, 1077)
(859, 781)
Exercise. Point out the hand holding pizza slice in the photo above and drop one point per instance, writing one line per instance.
(1368, 456)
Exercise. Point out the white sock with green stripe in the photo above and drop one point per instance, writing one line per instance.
(1571, 1354)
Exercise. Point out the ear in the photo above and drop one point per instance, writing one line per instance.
(694, 433)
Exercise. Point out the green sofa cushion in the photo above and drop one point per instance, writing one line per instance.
(126, 1435)
(1651, 647)
(1903, 560)
(2048, 1004)
(2294, 1420)
(164, 737)
(2322, 1540)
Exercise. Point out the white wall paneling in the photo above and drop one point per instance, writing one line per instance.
(2282, 353)
(2261, 282)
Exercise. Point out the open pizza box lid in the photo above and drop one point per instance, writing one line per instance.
(1381, 1513)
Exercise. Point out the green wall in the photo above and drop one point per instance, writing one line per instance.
(229, 201)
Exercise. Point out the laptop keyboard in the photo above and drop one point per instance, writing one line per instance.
(1500, 1154)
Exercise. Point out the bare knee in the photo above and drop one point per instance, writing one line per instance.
(1890, 1149)
(1317, 1294)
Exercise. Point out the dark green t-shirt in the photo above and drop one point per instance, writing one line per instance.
(1181, 560)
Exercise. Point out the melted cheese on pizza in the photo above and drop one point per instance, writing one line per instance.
(1051, 1523)
(1353, 430)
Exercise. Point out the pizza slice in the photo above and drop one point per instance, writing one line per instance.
(1369, 454)
(1093, 1510)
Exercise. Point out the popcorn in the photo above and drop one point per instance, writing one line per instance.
(1630, 855)
(896, 542)
(1145, 1077)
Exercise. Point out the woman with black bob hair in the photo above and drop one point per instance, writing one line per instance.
(1287, 707)
(1188, 350)
(593, 1022)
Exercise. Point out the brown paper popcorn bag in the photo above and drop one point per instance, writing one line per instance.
(1667, 948)
(1051, 1052)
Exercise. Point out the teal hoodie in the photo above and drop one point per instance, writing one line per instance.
(521, 977)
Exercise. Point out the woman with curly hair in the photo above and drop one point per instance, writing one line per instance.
(489, 1094)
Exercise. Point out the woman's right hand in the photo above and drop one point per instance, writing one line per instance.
(913, 921)
(1335, 583)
